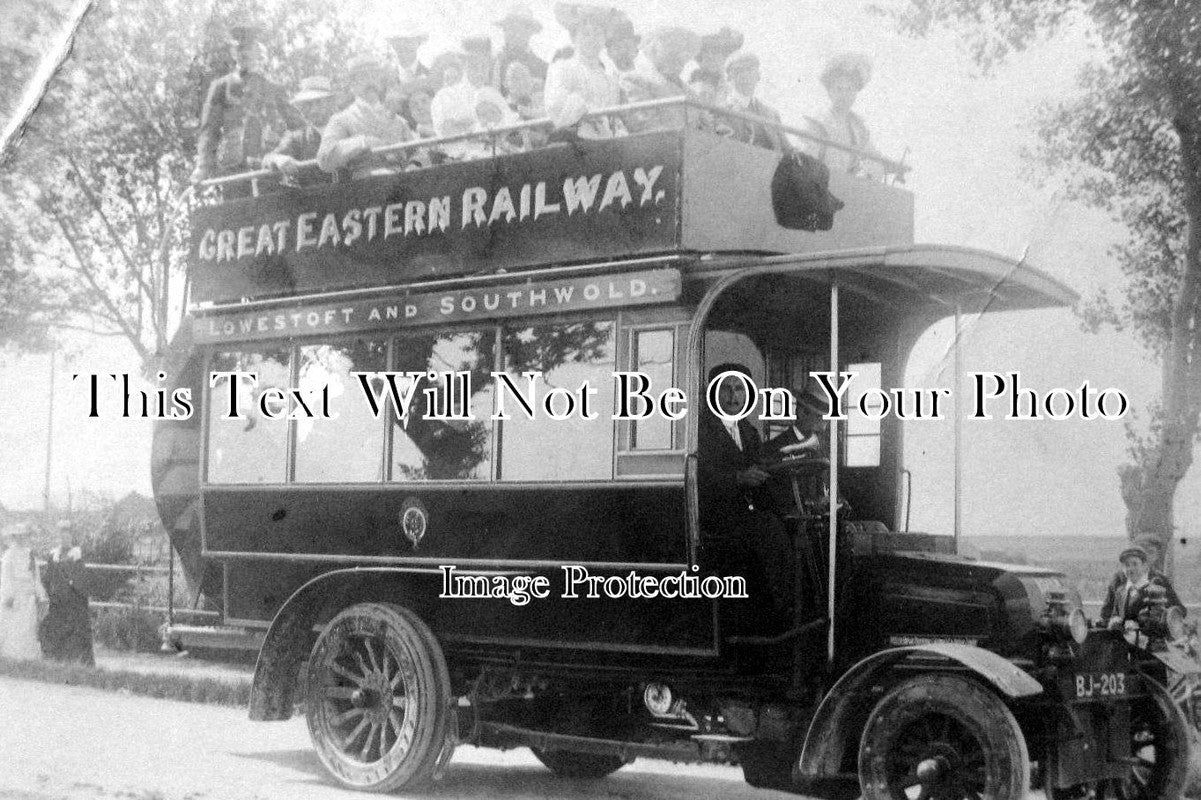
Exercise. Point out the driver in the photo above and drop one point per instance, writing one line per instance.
(741, 533)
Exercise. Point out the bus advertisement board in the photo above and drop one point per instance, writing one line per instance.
(561, 204)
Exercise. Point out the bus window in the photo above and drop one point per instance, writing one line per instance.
(433, 449)
(249, 448)
(544, 448)
(348, 447)
(863, 432)
(653, 355)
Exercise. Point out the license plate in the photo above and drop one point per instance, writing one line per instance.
(1093, 685)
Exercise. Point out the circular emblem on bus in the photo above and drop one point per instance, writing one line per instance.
(413, 520)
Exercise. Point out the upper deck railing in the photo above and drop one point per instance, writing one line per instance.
(694, 112)
(678, 185)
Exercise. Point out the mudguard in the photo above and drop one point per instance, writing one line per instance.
(291, 635)
(848, 703)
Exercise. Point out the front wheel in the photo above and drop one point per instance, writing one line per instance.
(378, 698)
(942, 737)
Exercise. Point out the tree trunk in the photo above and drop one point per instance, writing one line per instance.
(1181, 366)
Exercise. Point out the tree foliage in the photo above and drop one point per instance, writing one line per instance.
(1129, 143)
(91, 238)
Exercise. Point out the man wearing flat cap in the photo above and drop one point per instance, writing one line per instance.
(844, 77)
(1125, 597)
(743, 76)
(315, 103)
(667, 50)
(1127, 594)
(518, 26)
(366, 124)
(244, 114)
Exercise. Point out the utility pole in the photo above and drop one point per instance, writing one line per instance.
(49, 435)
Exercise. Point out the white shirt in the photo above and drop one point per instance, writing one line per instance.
(573, 88)
(732, 429)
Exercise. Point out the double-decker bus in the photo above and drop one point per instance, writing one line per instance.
(421, 577)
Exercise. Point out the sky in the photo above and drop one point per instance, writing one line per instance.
(961, 133)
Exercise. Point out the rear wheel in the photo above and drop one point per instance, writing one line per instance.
(378, 698)
(942, 737)
(584, 766)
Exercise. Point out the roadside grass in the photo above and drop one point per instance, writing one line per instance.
(188, 688)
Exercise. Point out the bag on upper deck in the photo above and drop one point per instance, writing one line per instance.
(800, 194)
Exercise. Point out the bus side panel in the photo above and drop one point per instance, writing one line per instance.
(608, 523)
(580, 615)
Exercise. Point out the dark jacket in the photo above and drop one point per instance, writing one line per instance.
(1138, 601)
(244, 116)
(723, 503)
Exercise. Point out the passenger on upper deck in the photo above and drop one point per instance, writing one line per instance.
(519, 25)
(366, 124)
(466, 103)
(667, 51)
(844, 76)
(705, 85)
(244, 114)
(408, 67)
(742, 72)
(621, 44)
(715, 49)
(315, 102)
(580, 83)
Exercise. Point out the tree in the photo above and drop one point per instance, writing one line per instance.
(90, 235)
(1130, 144)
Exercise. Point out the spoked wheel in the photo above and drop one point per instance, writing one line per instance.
(1158, 749)
(378, 698)
(942, 737)
(582, 766)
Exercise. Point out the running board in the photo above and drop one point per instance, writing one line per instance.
(498, 734)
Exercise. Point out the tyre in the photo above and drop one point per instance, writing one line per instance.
(580, 766)
(1159, 746)
(942, 737)
(378, 698)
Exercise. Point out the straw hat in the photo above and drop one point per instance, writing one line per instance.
(724, 42)
(855, 65)
(364, 64)
(446, 59)
(519, 18)
(677, 40)
(573, 15)
(743, 59)
(411, 40)
(314, 87)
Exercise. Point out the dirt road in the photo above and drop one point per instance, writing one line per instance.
(70, 743)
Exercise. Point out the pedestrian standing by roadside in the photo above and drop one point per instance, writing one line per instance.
(20, 594)
(66, 631)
